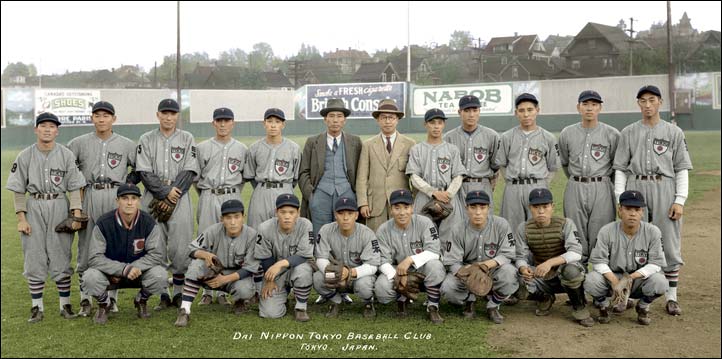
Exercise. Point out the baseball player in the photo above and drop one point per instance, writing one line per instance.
(104, 158)
(436, 170)
(652, 158)
(612, 257)
(46, 170)
(167, 163)
(487, 239)
(529, 155)
(356, 247)
(586, 150)
(230, 242)
(221, 160)
(284, 247)
(477, 147)
(409, 242)
(125, 251)
(554, 246)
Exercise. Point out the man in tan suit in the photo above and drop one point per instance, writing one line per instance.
(382, 166)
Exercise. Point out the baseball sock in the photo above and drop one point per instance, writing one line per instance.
(143, 295)
(258, 281)
(63, 291)
(601, 302)
(494, 300)
(301, 294)
(646, 301)
(36, 294)
(434, 294)
(672, 278)
(103, 298)
(190, 290)
(178, 284)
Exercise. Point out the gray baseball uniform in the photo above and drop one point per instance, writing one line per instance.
(274, 171)
(528, 160)
(587, 155)
(274, 244)
(361, 251)
(469, 245)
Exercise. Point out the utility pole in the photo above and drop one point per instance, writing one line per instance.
(408, 42)
(481, 59)
(178, 65)
(670, 69)
(631, 42)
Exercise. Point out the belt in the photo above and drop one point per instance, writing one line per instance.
(649, 178)
(224, 190)
(45, 195)
(106, 185)
(272, 184)
(524, 181)
(473, 179)
(167, 182)
(588, 179)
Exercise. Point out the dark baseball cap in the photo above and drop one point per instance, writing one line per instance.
(287, 199)
(401, 196)
(128, 188)
(525, 97)
(590, 95)
(434, 113)
(540, 196)
(654, 90)
(168, 104)
(45, 117)
(104, 106)
(469, 101)
(345, 204)
(477, 197)
(632, 199)
(222, 113)
(232, 206)
(275, 112)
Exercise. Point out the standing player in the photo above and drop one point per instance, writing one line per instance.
(477, 147)
(586, 150)
(221, 160)
(46, 170)
(652, 158)
(284, 246)
(529, 155)
(167, 163)
(487, 239)
(104, 158)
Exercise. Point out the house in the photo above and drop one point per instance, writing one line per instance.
(348, 61)
(522, 47)
(395, 69)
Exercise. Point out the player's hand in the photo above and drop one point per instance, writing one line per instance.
(218, 281)
(442, 196)
(174, 194)
(208, 258)
(365, 211)
(542, 269)
(272, 272)
(676, 211)
(268, 289)
(163, 206)
(134, 273)
(526, 274)
(403, 267)
(24, 227)
(76, 225)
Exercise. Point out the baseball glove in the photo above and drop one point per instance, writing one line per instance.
(408, 285)
(216, 268)
(66, 226)
(621, 292)
(337, 275)
(476, 277)
(436, 210)
(159, 214)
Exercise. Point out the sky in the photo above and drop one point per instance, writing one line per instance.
(75, 36)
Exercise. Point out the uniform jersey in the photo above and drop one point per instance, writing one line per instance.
(624, 255)
(650, 151)
(397, 244)
(361, 247)
(435, 164)
(273, 163)
(477, 150)
(104, 160)
(569, 233)
(588, 152)
(272, 243)
(166, 157)
(470, 245)
(235, 253)
(35, 172)
(221, 164)
(531, 155)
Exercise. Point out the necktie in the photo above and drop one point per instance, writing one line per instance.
(335, 145)
(388, 144)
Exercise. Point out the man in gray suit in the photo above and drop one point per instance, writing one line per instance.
(328, 166)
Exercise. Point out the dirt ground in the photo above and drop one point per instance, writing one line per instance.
(696, 333)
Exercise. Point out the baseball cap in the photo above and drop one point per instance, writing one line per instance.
(287, 199)
(631, 199)
(433, 114)
(168, 104)
(590, 95)
(231, 206)
(654, 90)
(525, 97)
(222, 113)
(275, 112)
(105, 106)
(540, 196)
(45, 117)
(128, 188)
(401, 196)
(345, 204)
(469, 101)
(477, 197)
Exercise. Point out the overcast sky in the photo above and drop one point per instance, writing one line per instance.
(62, 36)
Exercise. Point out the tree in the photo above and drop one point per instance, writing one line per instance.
(261, 58)
(460, 40)
(18, 69)
(307, 53)
(167, 70)
(233, 57)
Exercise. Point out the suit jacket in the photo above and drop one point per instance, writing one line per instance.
(313, 160)
(376, 177)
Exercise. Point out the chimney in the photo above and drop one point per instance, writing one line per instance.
(516, 34)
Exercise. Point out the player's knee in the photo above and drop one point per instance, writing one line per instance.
(435, 273)
(655, 284)
(242, 289)
(572, 276)
(383, 290)
(595, 284)
(364, 287)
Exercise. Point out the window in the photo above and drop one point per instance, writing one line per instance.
(576, 65)
(592, 43)
(383, 77)
(514, 72)
(503, 60)
(394, 77)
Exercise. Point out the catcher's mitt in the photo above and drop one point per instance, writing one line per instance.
(621, 292)
(476, 277)
(437, 210)
(66, 226)
(337, 275)
(216, 268)
(408, 285)
(159, 214)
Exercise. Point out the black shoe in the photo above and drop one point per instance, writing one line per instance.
(469, 311)
(142, 307)
(369, 311)
(183, 319)
(402, 308)
(494, 315)
(604, 316)
(643, 315)
(101, 316)
(67, 312)
(673, 308)
(333, 310)
(164, 303)
(36, 315)
(239, 307)
(434, 315)
(301, 315)
(544, 305)
(85, 308)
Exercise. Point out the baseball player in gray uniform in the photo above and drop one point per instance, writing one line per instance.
(487, 239)
(284, 247)
(628, 246)
(477, 147)
(409, 242)
(529, 155)
(554, 245)
(46, 170)
(167, 163)
(586, 150)
(356, 246)
(221, 160)
(436, 170)
(652, 158)
(233, 244)
(104, 158)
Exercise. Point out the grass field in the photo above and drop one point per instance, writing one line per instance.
(213, 328)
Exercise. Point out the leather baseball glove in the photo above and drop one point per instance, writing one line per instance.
(621, 292)
(476, 277)
(159, 214)
(66, 226)
(216, 268)
(437, 210)
(408, 285)
(337, 275)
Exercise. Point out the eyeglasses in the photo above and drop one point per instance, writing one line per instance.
(388, 118)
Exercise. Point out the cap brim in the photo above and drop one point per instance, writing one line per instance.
(476, 201)
(637, 204)
(56, 122)
(469, 105)
(276, 116)
(539, 202)
(104, 109)
(168, 109)
(590, 99)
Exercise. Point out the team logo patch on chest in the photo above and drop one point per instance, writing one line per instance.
(234, 165)
(535, 156)
(114, 159)
(177, 153)
(480, 154)
(138, 245)
(417, 247)
(660, 146)
(56, 176)
(597, 151)
(293, 249)
(641, 256)
(443, 164)
(490, 249)
(281, 166)
(355, 257)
